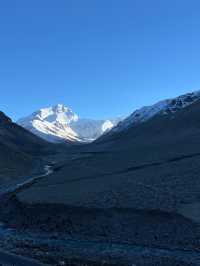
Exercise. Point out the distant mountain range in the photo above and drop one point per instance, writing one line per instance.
(59, 123)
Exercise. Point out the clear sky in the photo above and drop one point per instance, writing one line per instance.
(102, 58)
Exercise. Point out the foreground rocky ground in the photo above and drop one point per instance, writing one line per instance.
(62, 235)
(61, 249)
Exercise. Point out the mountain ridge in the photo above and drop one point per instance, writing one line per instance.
(163, 107)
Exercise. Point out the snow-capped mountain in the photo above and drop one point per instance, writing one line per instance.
(163, 107)
(59, 123)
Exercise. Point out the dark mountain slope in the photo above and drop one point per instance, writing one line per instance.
(18, 150)
(163, 135)
(17, 137)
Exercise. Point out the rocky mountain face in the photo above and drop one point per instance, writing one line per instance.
(59, 123)
(164, 107)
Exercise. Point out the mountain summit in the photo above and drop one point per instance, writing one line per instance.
(60, 123)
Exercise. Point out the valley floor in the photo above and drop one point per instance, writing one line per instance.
(60, 234)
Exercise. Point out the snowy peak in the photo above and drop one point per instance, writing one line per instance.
(163, 107)
(59, 113)
(64, 114)
(60, 123)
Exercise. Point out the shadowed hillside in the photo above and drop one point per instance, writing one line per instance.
(19, 150)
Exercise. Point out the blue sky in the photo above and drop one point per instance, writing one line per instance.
(102, 58)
